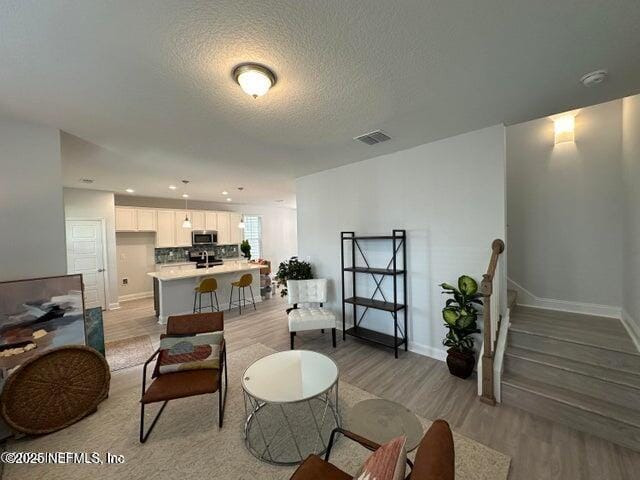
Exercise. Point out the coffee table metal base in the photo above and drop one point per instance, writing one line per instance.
(287, 433)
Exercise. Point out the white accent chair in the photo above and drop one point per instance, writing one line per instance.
(308, 317)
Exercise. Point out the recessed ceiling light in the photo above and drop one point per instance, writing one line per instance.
(254, 79)
(129, 190)
(172, 187)
(228, 199)
(185, 195)
(225, 193)
(279, 200)
(240, 188)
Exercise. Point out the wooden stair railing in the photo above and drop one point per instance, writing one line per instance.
(491, 316)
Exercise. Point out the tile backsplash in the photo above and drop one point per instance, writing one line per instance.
(181, 254)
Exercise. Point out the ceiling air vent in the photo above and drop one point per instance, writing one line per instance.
(374, 137)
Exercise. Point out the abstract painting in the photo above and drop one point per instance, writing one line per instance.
(37, 315)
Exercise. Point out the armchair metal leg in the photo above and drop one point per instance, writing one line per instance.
(222, 397)
(293, 335)
(333, 337)
(143, 435)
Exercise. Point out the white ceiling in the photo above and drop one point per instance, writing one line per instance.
(151, 81)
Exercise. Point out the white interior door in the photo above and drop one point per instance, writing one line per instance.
(85, 255)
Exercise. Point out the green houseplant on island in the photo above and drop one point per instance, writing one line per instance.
(245, 248)
(292, 269)
(460, 315)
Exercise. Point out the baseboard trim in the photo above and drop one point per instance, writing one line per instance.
(135, 296)
(114, 306)
(528, 299)
(419, 348)
(632, 326)
(427, 351)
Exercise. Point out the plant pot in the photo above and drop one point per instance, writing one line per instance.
(460, 363)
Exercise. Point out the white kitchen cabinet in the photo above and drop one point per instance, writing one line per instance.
(236, 234)
(146, 219)
(224, 228)
(126, 219)
(166, 229)
(210, 221)
(198, 220)
(182, 235)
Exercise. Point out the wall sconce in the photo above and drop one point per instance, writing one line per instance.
(564, 128)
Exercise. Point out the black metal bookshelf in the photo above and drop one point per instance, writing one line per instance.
(396, 270)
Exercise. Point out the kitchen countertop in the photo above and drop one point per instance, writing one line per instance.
(228, 267)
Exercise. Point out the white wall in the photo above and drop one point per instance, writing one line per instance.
(81, 204)
(631, 248)
(279, 238)
(135, 259)
(449, 195)
(32, 235)
(565, 209)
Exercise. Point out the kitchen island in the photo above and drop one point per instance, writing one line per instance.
(174, 289)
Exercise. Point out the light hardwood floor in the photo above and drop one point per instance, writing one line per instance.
(540, 449)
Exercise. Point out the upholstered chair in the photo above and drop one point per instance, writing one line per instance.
(435, 458)
(179, 382)
(307, 298)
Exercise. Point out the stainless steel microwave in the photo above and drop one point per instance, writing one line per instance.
(201, 238)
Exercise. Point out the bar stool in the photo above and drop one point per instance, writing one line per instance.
(207, 285)
(245, 281)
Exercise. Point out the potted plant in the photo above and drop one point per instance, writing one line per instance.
(245, 248)
(460, 316)
(292, 269)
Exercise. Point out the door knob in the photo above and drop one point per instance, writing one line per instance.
(100, 270)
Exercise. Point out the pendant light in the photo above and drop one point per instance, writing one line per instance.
(241, 224)
(186, 223)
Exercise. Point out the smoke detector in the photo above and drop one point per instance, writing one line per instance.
(373, 138)
(594, 78)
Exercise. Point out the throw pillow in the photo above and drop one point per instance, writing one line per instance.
(387, 463)
(189, 352)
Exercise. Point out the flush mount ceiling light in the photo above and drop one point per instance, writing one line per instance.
(186, 223)
(254, 79)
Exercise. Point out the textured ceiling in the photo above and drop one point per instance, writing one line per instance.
(151, 82)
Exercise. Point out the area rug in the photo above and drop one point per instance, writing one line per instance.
(187, 444)
(128, 352)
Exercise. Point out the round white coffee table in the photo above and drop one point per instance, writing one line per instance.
(291, 405)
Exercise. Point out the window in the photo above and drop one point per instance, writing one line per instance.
(253, 234)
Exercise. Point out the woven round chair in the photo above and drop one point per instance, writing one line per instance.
(54, 390)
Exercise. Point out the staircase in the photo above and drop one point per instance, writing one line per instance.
(578, 370)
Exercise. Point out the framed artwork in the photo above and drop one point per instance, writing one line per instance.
(37, 315)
